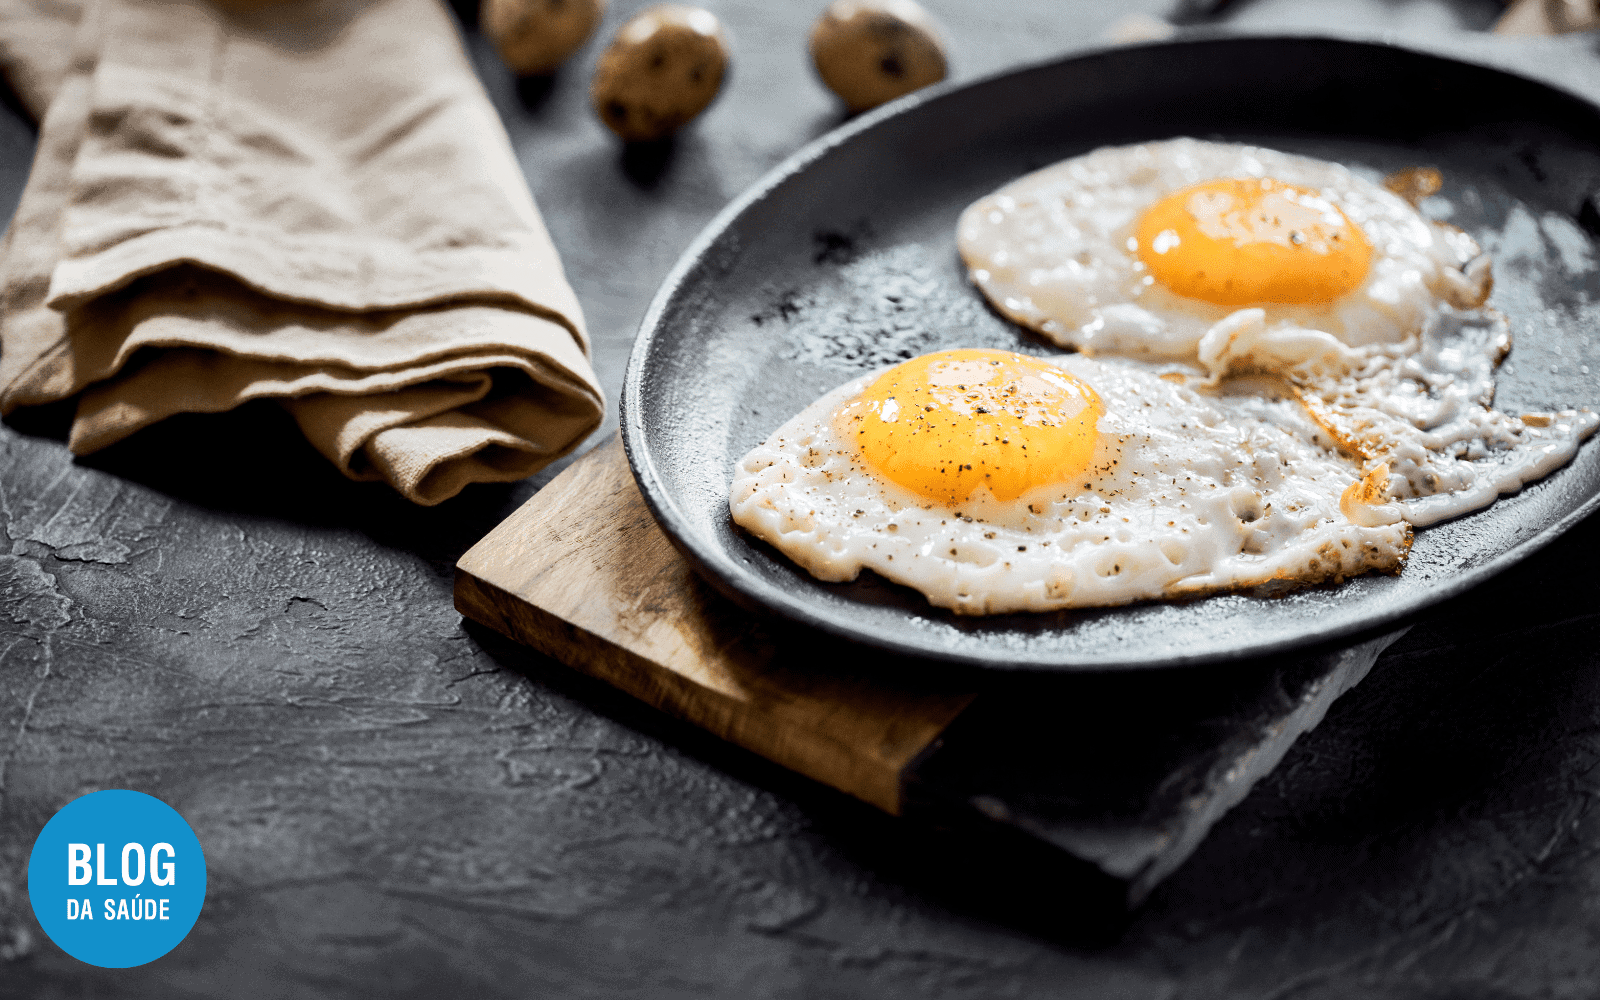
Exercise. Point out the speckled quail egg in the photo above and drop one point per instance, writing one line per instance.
(664, 67)
(872, 51)
(534, 37)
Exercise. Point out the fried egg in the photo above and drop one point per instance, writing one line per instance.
(995, 482)
(1141, 250)
(1282, 370)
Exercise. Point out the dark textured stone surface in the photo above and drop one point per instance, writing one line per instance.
(1124, 775)
(394, 804)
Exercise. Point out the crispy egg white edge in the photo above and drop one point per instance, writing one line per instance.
(1450, 451)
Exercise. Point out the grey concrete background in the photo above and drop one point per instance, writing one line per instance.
(393, 804)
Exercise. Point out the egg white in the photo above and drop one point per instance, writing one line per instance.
(1421, 408)
(1053, 251)
(1191, 491)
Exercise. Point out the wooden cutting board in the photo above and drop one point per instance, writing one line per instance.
(1122, 775)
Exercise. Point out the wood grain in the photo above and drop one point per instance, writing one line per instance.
(582, 573)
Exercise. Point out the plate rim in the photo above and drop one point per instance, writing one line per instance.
(756, 595)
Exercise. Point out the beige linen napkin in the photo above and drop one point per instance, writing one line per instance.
(311, 201)
(1548, 17)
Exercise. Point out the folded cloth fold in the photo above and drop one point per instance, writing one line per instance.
(308, 200)
(35, 47)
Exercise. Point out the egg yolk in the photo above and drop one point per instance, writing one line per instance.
(945, 423)
(1239, 241)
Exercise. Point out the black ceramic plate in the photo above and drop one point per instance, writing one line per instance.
(843, 260)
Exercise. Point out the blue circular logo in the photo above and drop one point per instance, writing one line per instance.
(117, 878)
